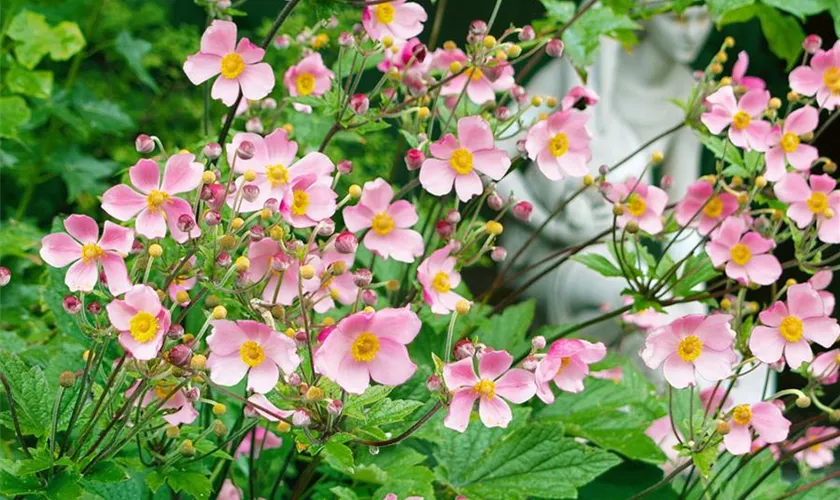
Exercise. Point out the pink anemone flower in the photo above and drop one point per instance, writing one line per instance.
(567, 364)
(240, 347)
(746, 256)
(141, 321)
(239, 65)
(739, 69)
(389, 236)
(560, 144)
(820, 78)
(785, 146)
(704, 209)
(764, 417)
(642, 203)
(281, 271)
(263, 438)
(579, 97)
(481, 84)
(308, 201)
(458, 161)
(789, 328)
(743, 117)
(819, 201)
(495, 384)
(309, 77)
(399, 20)
(155, 205)
(662, 433)
(691, 345)
(273, 157)
(438, 277)
(369, 346)
(820, 281)
(818, 455)
(184, 412)
(83, 248)
(826, 367)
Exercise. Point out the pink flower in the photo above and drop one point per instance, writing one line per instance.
(819, 201)
(389, 236)
(740, 69)
(645, 319)
(826, 367)
(789, 328)
(747, 131)
(579, 96)
(268, 260)
(690, 345)
(642, 203)
(183, 282)
(397, 19)
(155, 205)
(712, 400)
(308, 77)
(262, 437)
(704, 209)
(239, 65)
(820, 281)
(259, 406)
(818, 455)
(229, 491)
(765, 418)
(367, 346)
(615, 374)
(240, 347)
(458, 161)
(141, 321)
(822, 77)
(784, 144)
(481, 84)
(662, 433)
(745, 255)
(341, 288)
(567, 364)
(308, 201)
(438, 276)
(185, 412)
(495, 384)
(402, 56)
(86, 251)
(560, 144)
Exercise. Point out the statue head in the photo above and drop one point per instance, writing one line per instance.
(680, 37)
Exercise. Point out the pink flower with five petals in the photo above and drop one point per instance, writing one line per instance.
(739, 69)
(141, 321)
(703, 208)
(785, 147)
(309, 77)
(567, 364)
(308, 201)
(764, 417)
(743, 117)
(398, 19)
(821, 77)
(560, 144)
(481, 84)
(819, 201)
(438, 277)
(185, 411)
(642, 203)
(818, 455)
(267, 260)
(746, 256)
(826, 367)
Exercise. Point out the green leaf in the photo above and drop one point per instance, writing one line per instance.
(102, 115)
(771, 487)
(67, 41)
(32, 83)
(107, 472)
(719, 145)
(697, 269)
(507, 330)
(599, 264)
(627, 480)
(34, 37)
(535, 460)
(705, 460)
(134, 50)
(339, 457)
(15, 113)
(191, 483)
(560, 10)
(582, 37)
(64, 486)
(719, 8)
(389, 411)
(83, 174)
(800, 8)
(342, 493)
(354, 406)
(371, 126)
(33, 400)
(154, 480)
(783, 33)
(12, 485)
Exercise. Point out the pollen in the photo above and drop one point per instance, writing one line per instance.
(558, 145)
(713, 208)
(831, 79)
(300, 202)
(441, 282)
(382, 224)
(365, 347)
(156, 199)
(252, 354)
(791, 328)
(486, 388)
(462, 161)
(636, 205)
(232, 65)
(690, 348)
(91, 251)
(742, 414)
(817, 203)
(305, 83)
(741, 120)
(277, 174)
(385, 13)
(789, 142)
(475, 73)
(162, 389)
(740, 254)
(143, 327)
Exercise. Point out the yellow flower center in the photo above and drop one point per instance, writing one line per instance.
(790, 142)
(559, 145)
(90, 251)
(816, 447)
(162, 389)
(475, 73)
(143, 327)
(276, 174)
(714, 207)
(636, 205)
(384, 13)
(462, 161)
(486, 388)
(232, 65)
(156, 199)
(740, 254)
(817, 203)
(741, 120)
(365, 347)
(305, 83)
(382, 223)
(690, 348)
(831, 79)
(791, 328)
(300, 202)
(742, 414)
(252, 354)
(320, 41)
(441, 282)
(334, 293)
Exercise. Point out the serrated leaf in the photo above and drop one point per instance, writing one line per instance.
(507, 330)
(107, 472)
(559, 10)
(342, 493)
(339, 457)
(82, 173)
(719, 146)
(27, 82)
(705, 460)
(389, 411)
(133, 50)
(800, 8)
(355, 404)
(15, 113)
(154, 480)
(697, 269)
(192, 483)
(719, 8)
(33, 400)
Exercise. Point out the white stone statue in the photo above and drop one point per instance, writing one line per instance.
(634, 89)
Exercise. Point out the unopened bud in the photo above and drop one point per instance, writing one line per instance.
(369, 297)
(414, 159)
(250, 192)
(362, 277)
(307, 271)
(803, 401)
(212, 218)
(186, 449)
(503, 113)
(180, 355)
(354, 191)
(314, 393)
(722, 427)
(219, 312)
(434, 384)
(283, 427)
(632, 227)
(334, 407)
(444, 229)
(219, 428)
(346, 242)
(657, 157)
(494, 228)
(246, 150)
(522, 211)
(455, 67)
(155, 250)
(527, 34)
(530, 363)
(67, 379)
(812, 44)
(463, 349)
(326, 227)
(301, 419)
(538, 342)
(173, 431)
(144, 144)
(345, 167)
(72, 304)
(498, 254)
(554, 47)
(360, 104)
(224, 259)
(254, 125)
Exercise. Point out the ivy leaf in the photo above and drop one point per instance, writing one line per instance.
(36, 84)
(67, 41)
(15, 113)
(33, 400)
(599, 264)
(134, 50)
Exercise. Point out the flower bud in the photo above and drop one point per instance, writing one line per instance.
(522, 211)
(180, 355)
(478, 27)
(345, 39)
(5, 276)
(94, 308)
(414, 159)
(224, 259)
(554, 47)
(72, 304)
(256, 233)
(246, 150)
(301, 337)
(503, 113)
(155, 250)
(812, 44)
(326, 227)
(334, 407)
(193, 394)
(301, 419)
(803, 401)
(362, 277)
(144, 144)
(369, 297)
(444, 229)
(346, 243)
(175, 331)
(137, 248)
(360, 104)
(530, 363)
(186, 449)
(173, 431)
(314, 393)
(538, 342)
(254, 125)
(212, 218)
(293, 379)
(67, 379)
(434, 384)
(354, 191)
(219, 312)
(219, 428)
(498, 254)
(186, 223)
(527, 34)
(345, 167)
(463, 349)
(495, 202)
(250, 192)
(453, 217)
(462, 306)
(494, 228)
(307, 271)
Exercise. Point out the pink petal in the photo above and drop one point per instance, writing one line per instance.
(403, 213)
(517, 386)
(226, 338)
(769, 423)
(739, 439)
(468, 185)
(281, 150)
(437, 176)
(474, 133)
(725, 98)
(226, 370)
(792, 188)
(399, 325)
(59, 249)
(249, 52)
(570, 377)
(82, 227)
(802, 121)
(800, 214)
(116, 238)
(493, 163)
(201, 67)
(714, 365)
(392, 366)
(225, 90)
(353, 376)
(151, 224)
(677, 372)
(757, 243)
(257, 81)
(145, 175)
(763, 269)
(181, 174)
(460, 374)
(804, 156)
(775, 160)
(263, 378)
(479, 91)
(82, 276)
(357, 218)
(142, 351)
(822, 330)
(115, 272)
(377, 195)
(122, 202)
(797, 353)
(494, 412)
(458, 416)
(659, 345)
(444, 147)
(767, 344)
(120, 314)
(493, 364)
(754, 102)
(219, 38)
(805, 80)
(804, 302)
(716, 120)
(282, 351)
